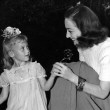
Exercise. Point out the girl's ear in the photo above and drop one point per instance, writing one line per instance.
(11, 54)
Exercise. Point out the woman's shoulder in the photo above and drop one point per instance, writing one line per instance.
(105, 48)
(106, 43)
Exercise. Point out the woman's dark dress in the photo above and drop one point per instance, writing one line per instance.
(64, 95)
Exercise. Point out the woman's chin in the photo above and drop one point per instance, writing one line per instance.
(75, 42)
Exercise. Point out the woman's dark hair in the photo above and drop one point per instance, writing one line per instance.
(88, 22)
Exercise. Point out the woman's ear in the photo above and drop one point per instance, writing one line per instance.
(11, 54)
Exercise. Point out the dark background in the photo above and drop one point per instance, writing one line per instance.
(43, 23)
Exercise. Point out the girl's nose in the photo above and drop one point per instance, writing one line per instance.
(27, 51)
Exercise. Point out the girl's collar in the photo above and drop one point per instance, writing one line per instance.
(20, 65)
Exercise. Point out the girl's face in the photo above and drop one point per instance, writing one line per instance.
(20, 52)
(72, 30)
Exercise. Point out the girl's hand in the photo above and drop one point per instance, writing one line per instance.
(63, 71)
(54, 72)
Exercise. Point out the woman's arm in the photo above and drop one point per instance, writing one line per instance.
(4, 94)
(100, 91)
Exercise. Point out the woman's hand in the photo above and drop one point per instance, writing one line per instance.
(63, 71)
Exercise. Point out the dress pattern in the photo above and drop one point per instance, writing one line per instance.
(25, 90)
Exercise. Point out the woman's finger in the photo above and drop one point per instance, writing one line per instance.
(55, 70)
(58, 74)
(61, 65)
(57, 66)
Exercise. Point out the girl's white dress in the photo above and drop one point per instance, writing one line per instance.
(25, 90)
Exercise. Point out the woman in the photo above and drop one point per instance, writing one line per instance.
(93, 44)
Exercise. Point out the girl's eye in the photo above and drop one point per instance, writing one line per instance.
(27, 47)
(22, 48)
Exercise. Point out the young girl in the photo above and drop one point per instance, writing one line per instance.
(22, 79)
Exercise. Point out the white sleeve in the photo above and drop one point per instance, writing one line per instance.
(40, 70)
(104, 60)
(3, 80)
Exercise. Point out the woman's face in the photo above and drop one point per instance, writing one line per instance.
(72, 30)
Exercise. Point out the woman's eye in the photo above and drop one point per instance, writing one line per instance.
(70, 31)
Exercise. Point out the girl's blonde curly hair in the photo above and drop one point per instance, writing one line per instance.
(11, 35)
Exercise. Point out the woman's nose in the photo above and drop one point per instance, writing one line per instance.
(67, 35)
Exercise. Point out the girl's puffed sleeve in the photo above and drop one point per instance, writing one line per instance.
(104, 60)
(3, 80)
(40, 71)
